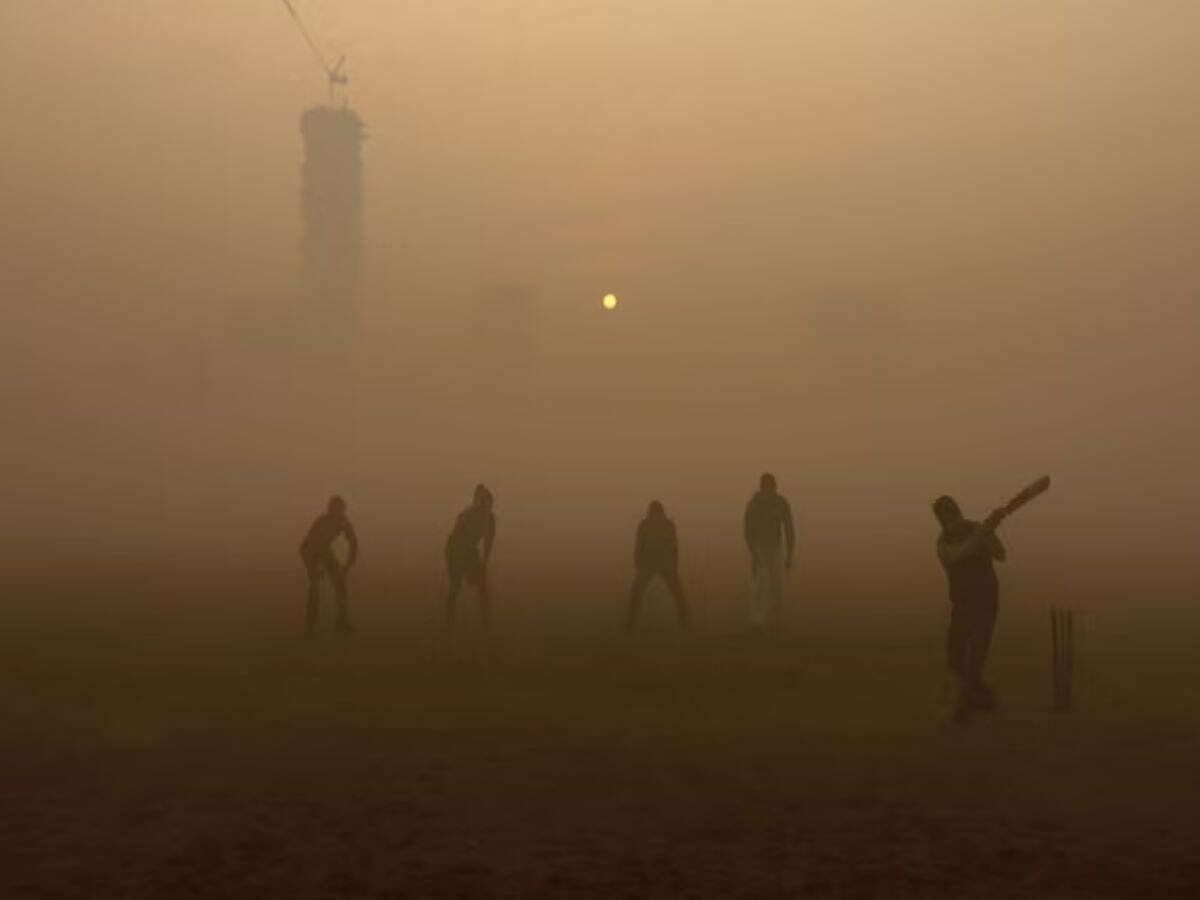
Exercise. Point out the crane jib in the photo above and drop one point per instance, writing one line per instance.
(333, 74)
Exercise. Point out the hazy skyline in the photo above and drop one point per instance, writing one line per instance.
(884, 249)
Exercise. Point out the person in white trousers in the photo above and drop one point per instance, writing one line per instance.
(771, 539)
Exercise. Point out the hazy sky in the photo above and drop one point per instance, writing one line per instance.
(885, 248)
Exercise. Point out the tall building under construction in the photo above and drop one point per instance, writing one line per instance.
(331, 205)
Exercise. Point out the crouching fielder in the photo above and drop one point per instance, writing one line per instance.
(475, 526)
(316, 552)
(656, 554)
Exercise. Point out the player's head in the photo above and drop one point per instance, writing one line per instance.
(655, 511)
(946, 510)
(336, 506)
(767, 483)
(483, 497)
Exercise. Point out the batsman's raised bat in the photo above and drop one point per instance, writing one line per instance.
(1036, 489)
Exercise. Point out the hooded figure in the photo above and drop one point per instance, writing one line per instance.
(771, 539)
(656, 553)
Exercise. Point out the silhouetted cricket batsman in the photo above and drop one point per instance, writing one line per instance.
(771, 539)
(316, 550)
(656, 553)
(968, 551)
(474, 526)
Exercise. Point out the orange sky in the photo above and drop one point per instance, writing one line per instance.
(961, 231)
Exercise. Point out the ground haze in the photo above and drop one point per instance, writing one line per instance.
(566, 760)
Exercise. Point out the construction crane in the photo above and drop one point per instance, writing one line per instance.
(335, 74)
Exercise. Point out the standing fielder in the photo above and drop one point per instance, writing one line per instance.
(771, 539)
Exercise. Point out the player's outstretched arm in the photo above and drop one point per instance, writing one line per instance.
(996, 548)
(981, 536)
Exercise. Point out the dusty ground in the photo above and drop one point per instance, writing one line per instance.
(155, 755)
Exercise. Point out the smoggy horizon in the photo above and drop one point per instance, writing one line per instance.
(882, 252)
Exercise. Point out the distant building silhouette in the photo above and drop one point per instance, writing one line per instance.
(331, 203)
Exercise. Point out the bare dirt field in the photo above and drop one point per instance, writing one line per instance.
(147, 752)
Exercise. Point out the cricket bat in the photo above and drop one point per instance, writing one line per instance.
(1036, 489)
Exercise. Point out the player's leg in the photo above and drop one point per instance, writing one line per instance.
(314, 597)
(758, 597)
(485, 596)
(675, 586)
(641, 578)
(337, 577)
(983, 625)
(452, 589)
(775, 609)
(958, 639)
(454, 577)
